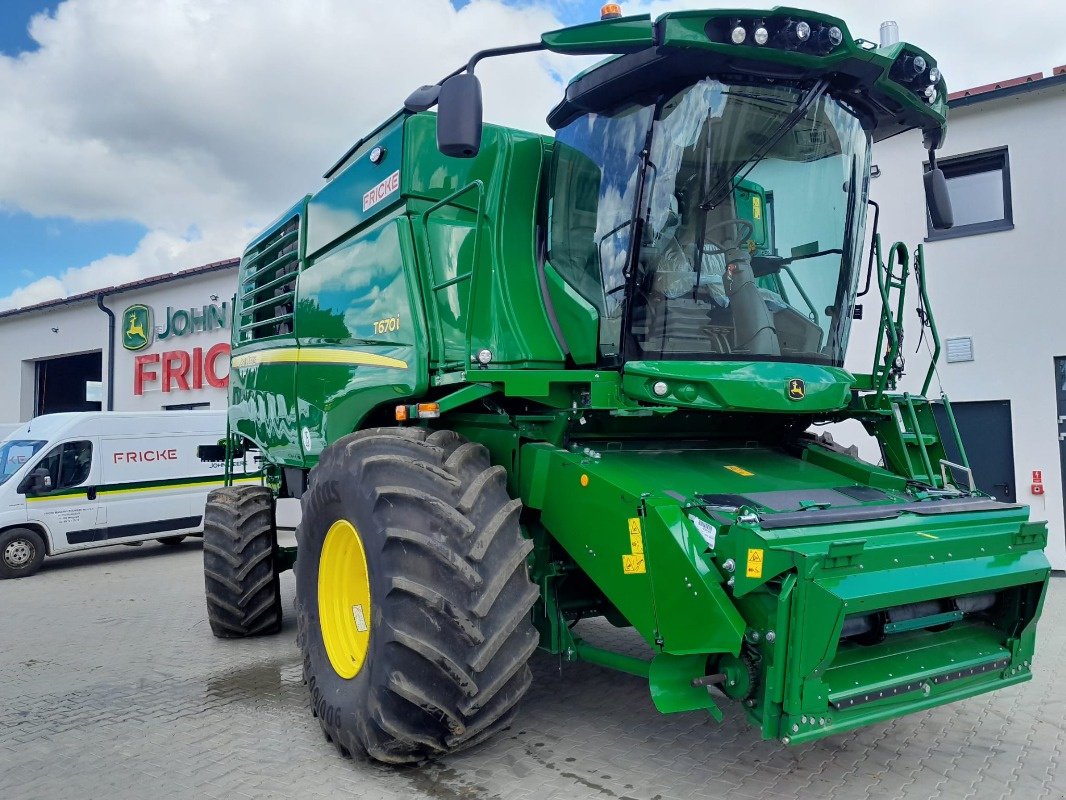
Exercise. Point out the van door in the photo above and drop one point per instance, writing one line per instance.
(150, 483)
(68, 510)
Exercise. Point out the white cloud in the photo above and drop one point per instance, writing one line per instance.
(217, 115)
(214, 115)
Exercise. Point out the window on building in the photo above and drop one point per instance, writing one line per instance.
(979, 186)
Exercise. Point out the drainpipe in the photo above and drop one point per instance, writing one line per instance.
(110, 351)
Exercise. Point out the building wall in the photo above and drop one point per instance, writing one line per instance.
(25, 338)
(82, 327)
(1003, 289)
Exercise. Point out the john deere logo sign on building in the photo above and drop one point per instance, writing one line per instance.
(137, 330)
(185, 367)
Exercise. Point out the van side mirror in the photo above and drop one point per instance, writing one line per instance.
(459, 116)
(37, 482)
(937, 199)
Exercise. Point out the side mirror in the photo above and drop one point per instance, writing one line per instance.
(459, 116)
(38, 482)
(937, 199)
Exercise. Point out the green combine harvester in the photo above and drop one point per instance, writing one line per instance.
(521, 381)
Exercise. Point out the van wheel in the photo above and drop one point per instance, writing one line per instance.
(240, 569)
(413, 600)
(21, 553)
(172, 540)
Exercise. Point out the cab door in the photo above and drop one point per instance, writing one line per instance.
(68, 507)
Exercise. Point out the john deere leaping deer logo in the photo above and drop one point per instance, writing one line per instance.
(796, 389)
(137, 329)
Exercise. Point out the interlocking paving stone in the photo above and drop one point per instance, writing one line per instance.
(111, 685)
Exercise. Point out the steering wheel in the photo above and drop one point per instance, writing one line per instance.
(744, 229)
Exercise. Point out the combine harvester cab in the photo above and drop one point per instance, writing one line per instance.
(520, 381)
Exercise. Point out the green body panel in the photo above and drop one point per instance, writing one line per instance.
(739, 385)
(820, 591)
(626, 35)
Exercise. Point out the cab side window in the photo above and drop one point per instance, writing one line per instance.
(68, 464)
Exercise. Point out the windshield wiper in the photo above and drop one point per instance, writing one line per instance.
(761, 98)
(711, 198)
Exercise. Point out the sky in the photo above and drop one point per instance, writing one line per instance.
(141, 137)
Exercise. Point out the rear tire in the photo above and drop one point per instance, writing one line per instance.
(240, 570)
(21, 553)
(442, 659)
(172, 541)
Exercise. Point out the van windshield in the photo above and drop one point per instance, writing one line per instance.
(16, 452)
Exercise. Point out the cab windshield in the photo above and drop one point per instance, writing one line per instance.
(14, 453)
(751, 207)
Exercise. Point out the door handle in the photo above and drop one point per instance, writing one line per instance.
(90, 492)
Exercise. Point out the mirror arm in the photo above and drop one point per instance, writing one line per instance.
(499, 51)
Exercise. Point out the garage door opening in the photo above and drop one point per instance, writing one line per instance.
(69, 383)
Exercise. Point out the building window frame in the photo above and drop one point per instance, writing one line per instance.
(993, 159)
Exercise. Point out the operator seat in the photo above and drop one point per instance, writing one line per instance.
(752, 319)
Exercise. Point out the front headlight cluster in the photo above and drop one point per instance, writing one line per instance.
(915, 72)
(784, 33)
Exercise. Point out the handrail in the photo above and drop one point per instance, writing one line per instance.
(954, 429)
(891, 324)
(438, 331)
(919, 275)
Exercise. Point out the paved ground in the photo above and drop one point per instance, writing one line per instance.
(112, 686)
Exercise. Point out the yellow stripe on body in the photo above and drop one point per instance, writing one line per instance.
(139, 489)
(315, 355)
(198, 485)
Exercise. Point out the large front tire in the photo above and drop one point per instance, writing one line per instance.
(240, 567)
(413, 599)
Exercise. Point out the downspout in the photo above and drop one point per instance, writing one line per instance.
(110, 351)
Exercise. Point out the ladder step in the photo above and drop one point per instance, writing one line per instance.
(912, 438)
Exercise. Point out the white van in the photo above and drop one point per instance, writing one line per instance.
(91, 479)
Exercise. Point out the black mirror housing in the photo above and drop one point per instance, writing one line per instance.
(937, 199)
(38, 481)
(459, 116)
(422, 98)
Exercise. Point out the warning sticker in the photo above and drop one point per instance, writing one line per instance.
(360, 618)
(756, 207)
(754, 569)
(633, 562)
(739, 470)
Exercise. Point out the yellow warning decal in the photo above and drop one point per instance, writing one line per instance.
(756, 207)
(633, 562)
(754, 569)
(739, 470)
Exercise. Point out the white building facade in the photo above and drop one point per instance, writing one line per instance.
(170, 347)
(996, 284)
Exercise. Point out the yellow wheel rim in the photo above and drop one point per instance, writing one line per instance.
(344, 599)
